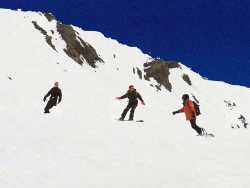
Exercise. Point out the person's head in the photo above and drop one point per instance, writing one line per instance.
(185, 97)
(131, 88)
(56, 84)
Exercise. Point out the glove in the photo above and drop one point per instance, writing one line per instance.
(44, 99)
(174, 112)
(118, 98)
(142, 103)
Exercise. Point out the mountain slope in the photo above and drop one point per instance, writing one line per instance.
(80, 143)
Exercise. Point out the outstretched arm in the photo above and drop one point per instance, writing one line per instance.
(123, 97)
(60, 97)
(177, 111)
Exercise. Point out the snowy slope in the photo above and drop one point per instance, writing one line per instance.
(80, 144)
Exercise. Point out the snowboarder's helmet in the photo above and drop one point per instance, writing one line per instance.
(185, 97)
(131, 87)
(56, 84)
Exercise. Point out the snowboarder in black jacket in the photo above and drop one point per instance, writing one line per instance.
(132, 96)
(55, 94)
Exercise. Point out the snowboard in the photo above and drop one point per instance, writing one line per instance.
(140, 120)
(208, 135)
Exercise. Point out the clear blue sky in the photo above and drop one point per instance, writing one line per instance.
(210, 36)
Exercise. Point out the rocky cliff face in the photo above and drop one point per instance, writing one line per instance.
(82, 52)
(159, 70)
(76, 48)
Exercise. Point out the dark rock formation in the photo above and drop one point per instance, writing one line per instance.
(186, 78)
(230, 104)
(77, 49)
(47, 37)
(133, 70)
(159, 70)
(243, 121)
(139, 72)
(50, 17)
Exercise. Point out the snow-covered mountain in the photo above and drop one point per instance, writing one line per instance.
(80, 143)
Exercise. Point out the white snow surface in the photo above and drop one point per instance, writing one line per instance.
(80, 143)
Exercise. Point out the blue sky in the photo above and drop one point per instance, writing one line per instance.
(210, 36)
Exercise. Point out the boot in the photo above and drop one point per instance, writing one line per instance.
(121, 119)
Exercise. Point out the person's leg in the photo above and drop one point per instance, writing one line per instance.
(49, 105)
(195, 127)
(125, 111)
(131, 115)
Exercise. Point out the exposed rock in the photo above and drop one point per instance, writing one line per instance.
(50, 17)
(243, 121)
(77, 49)
(139, 72)
(230, 104)
(158, 87)
(47, 37)
(159, 70)
(133, 70)
(186, 78)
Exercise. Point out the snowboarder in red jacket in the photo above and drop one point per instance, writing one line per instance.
(133, 97)
(190, 113)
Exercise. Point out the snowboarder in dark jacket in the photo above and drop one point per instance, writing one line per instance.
(133, 97)
(190, 112)
(55, 94)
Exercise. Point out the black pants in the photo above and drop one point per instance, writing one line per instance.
(49, 105)
(131, 106)
(195, 127)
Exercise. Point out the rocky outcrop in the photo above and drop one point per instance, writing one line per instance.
(77, 49)
(186, 78)
(50, 17)
(159, 70)
(243, 121)
(47, 37)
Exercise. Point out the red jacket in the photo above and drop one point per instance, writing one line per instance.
(189, 110)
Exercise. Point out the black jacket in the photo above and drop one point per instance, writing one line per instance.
(132, 96)
(54, 94)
